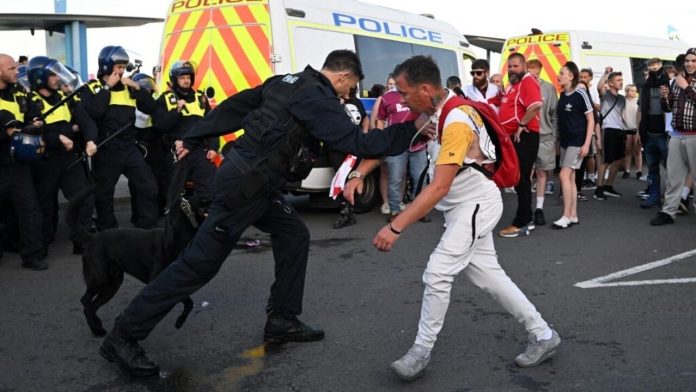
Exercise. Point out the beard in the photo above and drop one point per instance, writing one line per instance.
(514, 78)
(480, 83)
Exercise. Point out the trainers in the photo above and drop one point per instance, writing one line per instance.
(538, 351)
(610, 191)
(344, 220)
(509, 190)
(642, 193)
(582, 197)
(384, 209)
(683, 207)
(514, 231)
(128, 355)
(413, 364)
(599, 194)
(562, 223)
(588, 184)
(549, 188)
(639, 174)
(402, 206)
(539, 218)
(280, 329)
(662, 219)
(574, 221)
(625, 175)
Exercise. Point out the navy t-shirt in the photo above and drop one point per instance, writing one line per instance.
(572, 123)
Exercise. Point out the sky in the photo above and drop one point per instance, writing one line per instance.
(509, 18)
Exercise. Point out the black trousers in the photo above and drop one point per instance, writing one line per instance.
(202, 258)
(17, 186)
(157, 155)
(51, 175)
(110, 162)
(527, 150)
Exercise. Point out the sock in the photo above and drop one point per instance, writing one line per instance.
(540, 203)
(545, 335)
(685, 192)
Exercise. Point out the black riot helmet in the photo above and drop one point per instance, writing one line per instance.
(145, 81)
(40, 68)
(181, 68)
(22, 78)
(110, 56)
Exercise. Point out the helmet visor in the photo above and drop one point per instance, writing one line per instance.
(67, 78)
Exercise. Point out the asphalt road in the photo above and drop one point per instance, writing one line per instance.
(632, 337)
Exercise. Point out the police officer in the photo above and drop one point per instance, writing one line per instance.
(54, 171)
(111, 102)
(16, 183)
(285, 120)
(183, 107)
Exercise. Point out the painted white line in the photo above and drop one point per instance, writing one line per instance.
(601, 281)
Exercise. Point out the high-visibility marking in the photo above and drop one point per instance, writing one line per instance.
(602, 280)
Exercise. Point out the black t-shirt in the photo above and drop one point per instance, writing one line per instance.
(572, 123)
(355, 109)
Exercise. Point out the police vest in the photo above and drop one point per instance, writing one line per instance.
(194, 108)
(18, 106)
(62, 113)
(117, 98)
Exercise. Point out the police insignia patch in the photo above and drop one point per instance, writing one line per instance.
(291, 79)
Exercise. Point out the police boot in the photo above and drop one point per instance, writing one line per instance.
(128, 355)
(347, 217)
(281, 329)
(653, 196)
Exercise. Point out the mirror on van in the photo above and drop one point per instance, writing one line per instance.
(210, 92)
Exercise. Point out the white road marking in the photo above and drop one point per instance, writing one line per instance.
(601, 281)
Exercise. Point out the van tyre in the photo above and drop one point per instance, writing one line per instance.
(370, 195)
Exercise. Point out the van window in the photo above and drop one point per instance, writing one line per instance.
(639, 67)
(380, 56)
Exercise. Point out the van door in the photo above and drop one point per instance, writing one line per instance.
(552, 50)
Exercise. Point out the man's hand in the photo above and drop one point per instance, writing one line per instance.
(520, 129)
(66, 142)
(90, 148)
(211, 155)
(37, 122)
(584, 150)
(180, 105)
(130, 83)
(426, 127)
(598, 144)
(11, 131)
(385, 239)
(181, 151)
(664, 92)
(352, 185)
(681, 82)
(113, 79)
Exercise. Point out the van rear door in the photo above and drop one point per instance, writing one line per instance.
(552, 50)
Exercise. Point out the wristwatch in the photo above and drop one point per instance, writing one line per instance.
(355, 174)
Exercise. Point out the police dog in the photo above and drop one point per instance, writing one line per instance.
(141, 253)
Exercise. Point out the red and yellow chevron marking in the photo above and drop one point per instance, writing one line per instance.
(230, 43)
(552, 50)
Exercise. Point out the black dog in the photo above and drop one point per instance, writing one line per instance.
(143, 254)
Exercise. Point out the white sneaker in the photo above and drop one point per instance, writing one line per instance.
(413, 364)
(562, 223)
(538, 351)
(384, 209)
(402, 206)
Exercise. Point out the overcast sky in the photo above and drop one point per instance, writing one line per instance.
(506, 19)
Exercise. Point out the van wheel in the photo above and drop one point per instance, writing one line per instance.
(370, 195)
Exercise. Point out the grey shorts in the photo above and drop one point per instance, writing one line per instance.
(570, 157)
(546, 157)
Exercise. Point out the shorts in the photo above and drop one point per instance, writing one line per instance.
(570, 157)
(614, 145)
(546, 157)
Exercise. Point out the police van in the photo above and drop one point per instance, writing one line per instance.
(596, 50)
(237, 44)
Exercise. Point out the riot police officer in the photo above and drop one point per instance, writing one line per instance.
(285, 120)
(111, 101)
(61, 121)
(16, 183)
(183, 107)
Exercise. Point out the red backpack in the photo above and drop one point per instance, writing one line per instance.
(505, 172)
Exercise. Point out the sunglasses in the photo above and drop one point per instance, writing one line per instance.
(477, 73)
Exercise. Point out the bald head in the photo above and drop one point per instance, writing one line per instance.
(8, 71)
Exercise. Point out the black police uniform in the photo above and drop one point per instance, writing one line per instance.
(280, 115)
(174, 124)
(52, 172)
(112, 109)
(158, 153)
(16, 183)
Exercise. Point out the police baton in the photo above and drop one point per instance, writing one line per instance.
(113, 135)
(61, 102)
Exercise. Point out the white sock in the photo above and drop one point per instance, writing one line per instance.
(545, 335)
(593, 176)
(685, 192)
(540, 203)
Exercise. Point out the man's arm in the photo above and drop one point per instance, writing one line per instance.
(365, 167)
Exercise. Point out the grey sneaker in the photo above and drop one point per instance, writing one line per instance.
(538, 352)
(413, 364)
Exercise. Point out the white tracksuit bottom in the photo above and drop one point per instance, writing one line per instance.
(467, 246)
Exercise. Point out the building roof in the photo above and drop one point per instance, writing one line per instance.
(53, 22)
(489, 43)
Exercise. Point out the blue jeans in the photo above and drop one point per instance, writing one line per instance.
(416, 162)
(655, 152)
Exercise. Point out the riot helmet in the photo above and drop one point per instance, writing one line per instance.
(22, 78)
(145, 81)
(110, 56)
(40, 68)
(181, 68)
